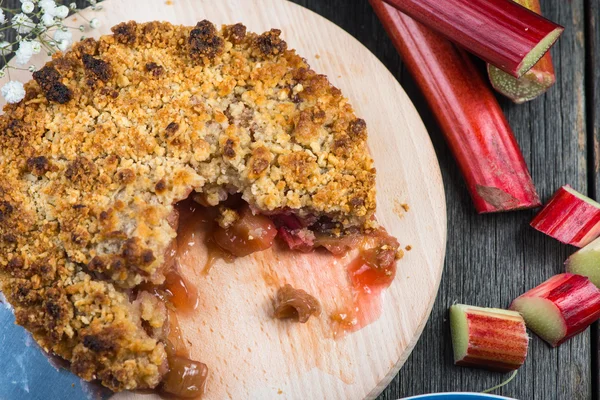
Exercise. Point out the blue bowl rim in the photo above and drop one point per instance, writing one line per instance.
(469, 395)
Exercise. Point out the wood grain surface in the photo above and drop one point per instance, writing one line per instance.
(251, 355)
(491, 259)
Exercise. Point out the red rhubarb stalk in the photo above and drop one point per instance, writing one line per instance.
(569, 217)
(534, 82)
(488, 337)
(465, 107)
(559, 308)
(501, 32)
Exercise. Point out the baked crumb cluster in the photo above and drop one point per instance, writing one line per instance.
(112, 133)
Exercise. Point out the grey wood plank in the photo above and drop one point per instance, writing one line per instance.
(492, 259)
(593, 102)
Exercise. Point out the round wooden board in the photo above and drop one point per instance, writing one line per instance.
(250, 354)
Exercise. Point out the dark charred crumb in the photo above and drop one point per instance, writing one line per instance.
(135, 254)
(99, 344)
(126, 176)
(357, 202)
(9, 238)
(160, 186)
(204, 41)
(80, 170)
(125, 32)
(236, 33)
(358, 128)
(38, 165)
(155, 69)
(270, 44)
(106, 91)
(228, 149)
(49, 80)
(86, 46)
(99, 68)
(295, 304)
(172, 128)
(6, 209)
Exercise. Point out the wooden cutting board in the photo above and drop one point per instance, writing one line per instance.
(251, 355)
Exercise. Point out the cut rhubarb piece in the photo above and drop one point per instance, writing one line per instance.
(466, 109)
(501, 32)
(569, 217)
(247, 234)
(488, 338)
(534, 82)
(586, 262)
(559, 308)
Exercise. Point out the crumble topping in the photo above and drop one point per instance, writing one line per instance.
(112, 133)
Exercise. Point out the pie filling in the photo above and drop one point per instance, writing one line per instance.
(237, 229)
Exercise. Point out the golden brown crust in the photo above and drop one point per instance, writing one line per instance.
(112, 133)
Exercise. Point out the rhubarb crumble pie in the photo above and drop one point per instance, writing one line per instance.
(112, 134)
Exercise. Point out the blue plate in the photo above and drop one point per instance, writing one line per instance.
(457, 396)
(27, 372)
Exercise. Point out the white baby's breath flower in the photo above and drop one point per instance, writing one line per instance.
(61, 12)
(63, 45)
(24, 52)
(94, 23)
(65, 35)
(48, 19)
(2, 17)
(36, 46)
(22, 23)
(13, 91)
(5, 48)
(48, 6)
(27, 7)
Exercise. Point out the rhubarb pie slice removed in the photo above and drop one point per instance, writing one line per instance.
(112, 134)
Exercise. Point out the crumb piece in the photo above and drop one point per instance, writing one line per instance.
(295, 304)
(399, 254)
(408, 248)
(405, 207)
(227, 217)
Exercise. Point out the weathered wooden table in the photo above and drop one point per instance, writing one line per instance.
(492, 259)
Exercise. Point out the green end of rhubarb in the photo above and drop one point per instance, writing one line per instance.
(542, 317)
(586, 262)
(531, 85)
(538, 51)
(459, 328)
(581, 196)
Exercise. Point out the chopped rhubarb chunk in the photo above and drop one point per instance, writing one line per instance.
(559, 308)
(186, 378)
(338, 245)
(295, 304)
(298, 239)
(488, 337)
(586, 262)
(569, 217)
(246, 235)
